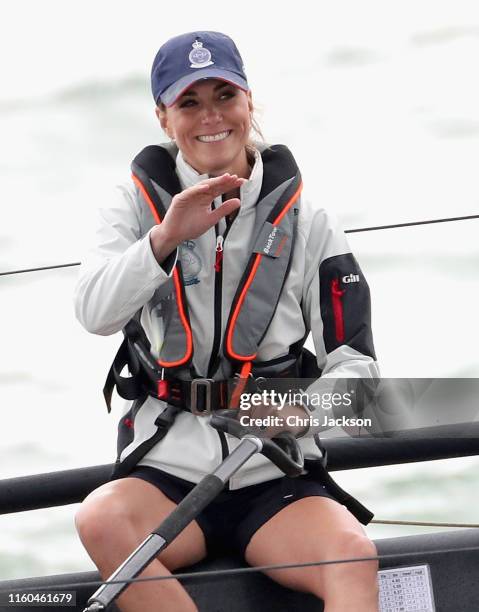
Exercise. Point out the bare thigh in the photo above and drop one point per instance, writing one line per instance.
(132, 508)
(308, 530)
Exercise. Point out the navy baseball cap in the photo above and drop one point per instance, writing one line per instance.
(187, 58)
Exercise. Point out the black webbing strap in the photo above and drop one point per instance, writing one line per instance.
(146, 377)
(178, 392)
(134, 352)
(318, 469)
(163, 423)
(128, 387)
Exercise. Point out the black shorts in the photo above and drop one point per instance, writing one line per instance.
(233, 517)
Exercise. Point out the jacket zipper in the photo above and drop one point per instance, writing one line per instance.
(218, 266)
(336, 295)
(219, 253)
(215, 359)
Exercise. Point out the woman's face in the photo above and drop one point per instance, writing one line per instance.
(211, 123)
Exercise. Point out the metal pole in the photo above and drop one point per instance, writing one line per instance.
(186, 511)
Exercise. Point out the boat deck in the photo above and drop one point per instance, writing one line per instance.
(453, 574)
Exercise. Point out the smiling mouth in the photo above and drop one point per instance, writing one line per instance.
(214, 137)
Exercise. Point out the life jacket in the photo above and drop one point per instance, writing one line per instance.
(256, 296)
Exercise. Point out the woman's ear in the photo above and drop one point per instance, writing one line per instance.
(250, 101)
(160, 112)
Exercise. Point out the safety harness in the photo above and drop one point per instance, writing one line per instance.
(253, 307)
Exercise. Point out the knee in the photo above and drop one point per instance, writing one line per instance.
(357, 545)
(330, 578)
(352, 545)
(100, 519)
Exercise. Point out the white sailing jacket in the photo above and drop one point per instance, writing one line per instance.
(325, 292)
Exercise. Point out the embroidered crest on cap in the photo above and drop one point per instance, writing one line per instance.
(200, 57)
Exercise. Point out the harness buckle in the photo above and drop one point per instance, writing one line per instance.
(201, 383)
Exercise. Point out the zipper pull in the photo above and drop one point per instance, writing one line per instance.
(219, 253)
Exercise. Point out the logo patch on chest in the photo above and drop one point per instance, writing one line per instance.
(271, 240)
(191, 264)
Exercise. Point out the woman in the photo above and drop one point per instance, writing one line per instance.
(215, 184)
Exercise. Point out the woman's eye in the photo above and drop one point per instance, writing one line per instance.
(226, 95)
(187, 103)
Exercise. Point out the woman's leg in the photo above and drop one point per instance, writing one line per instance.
(114, 519)
(317, 529)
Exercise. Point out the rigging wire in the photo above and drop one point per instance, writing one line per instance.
(246, 570)
(409, 224)
(68, 265)
(349, 231)
(425, 524)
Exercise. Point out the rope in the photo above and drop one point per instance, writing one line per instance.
(426, 524)
(349, 231)
(247, 570)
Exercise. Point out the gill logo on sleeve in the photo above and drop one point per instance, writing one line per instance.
(351, 278)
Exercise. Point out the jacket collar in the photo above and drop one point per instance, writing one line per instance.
(249, 191)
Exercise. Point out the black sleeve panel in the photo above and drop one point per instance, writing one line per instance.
(345, 305)
(167, 263)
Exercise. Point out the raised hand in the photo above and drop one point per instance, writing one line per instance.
(190, 215)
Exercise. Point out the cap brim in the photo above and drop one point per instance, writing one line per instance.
(170, 95)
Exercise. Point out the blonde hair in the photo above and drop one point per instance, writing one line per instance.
(255, 127)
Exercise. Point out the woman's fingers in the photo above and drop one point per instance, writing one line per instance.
(210, 188)
(191, 211)
(225, 209)
(219, 180)
(221, 184)
(191, 193)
